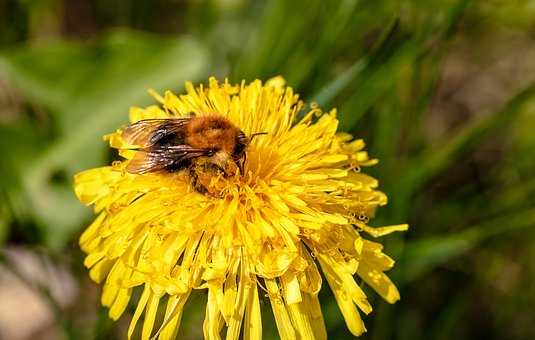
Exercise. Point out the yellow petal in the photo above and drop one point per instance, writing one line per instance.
(100, 270)
(234, 325)
(381, 231)
(120, 303)
(277, 81)
(344, 278)
(150, 316)
(291, 288)
(310, 279)
(379, 282)
(313, 308)
(253, 319)
(349, 311)
(213, 320)
(109, 292)
(230, 294)
(156, 96)
(300, 320)
(282, 319)
(173, 316)
(139, 309)
(92, 231)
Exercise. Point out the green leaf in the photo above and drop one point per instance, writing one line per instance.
(89, 88)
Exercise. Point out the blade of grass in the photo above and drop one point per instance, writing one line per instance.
(326, 94)
(423, 255)
(440, 155)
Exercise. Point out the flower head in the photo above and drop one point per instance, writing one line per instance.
(301, 205)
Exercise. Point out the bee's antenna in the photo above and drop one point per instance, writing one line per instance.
(257, 134)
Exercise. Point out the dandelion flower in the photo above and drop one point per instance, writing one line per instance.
(301, 206)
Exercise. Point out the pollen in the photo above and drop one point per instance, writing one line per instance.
(301, 207)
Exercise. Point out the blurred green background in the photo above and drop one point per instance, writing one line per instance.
(443, 91)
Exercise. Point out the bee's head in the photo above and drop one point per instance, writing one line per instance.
(242, 141)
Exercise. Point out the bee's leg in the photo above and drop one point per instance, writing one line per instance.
(197, 185)
(241, 164)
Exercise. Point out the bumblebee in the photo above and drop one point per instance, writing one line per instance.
(197, 144)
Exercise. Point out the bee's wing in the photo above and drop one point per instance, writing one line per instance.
(147, 132)
(152, 160)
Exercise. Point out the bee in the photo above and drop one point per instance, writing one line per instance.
(197, 144)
